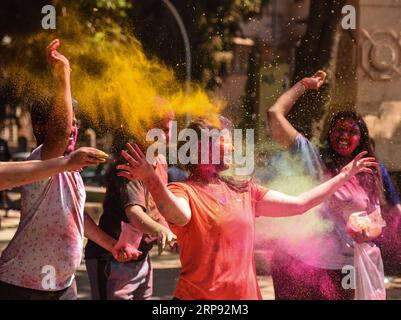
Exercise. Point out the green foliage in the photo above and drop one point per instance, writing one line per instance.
(315, 52)
(210, 25)
(103, 17)
(250, 100)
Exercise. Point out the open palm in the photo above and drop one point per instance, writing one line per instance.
(360, 164)
(137, 168)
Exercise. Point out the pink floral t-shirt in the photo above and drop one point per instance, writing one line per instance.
(47, 247)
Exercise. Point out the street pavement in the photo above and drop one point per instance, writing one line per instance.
(166, 269)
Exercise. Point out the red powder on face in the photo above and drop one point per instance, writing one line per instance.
(345, 137)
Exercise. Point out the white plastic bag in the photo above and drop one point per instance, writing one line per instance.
(369, 273)
(365, 227)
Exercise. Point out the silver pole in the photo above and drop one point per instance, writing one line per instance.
(186, 43)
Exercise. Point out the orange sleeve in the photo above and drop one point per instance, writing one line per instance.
(257, 191)
(179, 190)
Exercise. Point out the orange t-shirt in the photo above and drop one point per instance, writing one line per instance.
(216, 246)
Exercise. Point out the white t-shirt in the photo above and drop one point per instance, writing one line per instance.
(47, 247)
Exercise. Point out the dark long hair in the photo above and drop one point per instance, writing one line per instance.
(40, 111)
(372, 183)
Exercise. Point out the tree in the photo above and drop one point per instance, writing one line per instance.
(314, 53)
(211, 26)
(21, 20)
(250, 101)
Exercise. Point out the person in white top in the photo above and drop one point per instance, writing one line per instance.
(41, 259)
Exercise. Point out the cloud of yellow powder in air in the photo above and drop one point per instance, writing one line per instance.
(116, 84)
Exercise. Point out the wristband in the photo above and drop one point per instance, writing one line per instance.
(305, 83)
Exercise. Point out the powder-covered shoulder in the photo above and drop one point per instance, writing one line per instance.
(301, 143)
(179, 189)
(257, 190)
(36, 186)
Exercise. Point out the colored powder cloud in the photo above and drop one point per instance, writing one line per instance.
(289, 177)
(115, 83)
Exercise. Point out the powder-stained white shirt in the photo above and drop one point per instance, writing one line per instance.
(47, 247)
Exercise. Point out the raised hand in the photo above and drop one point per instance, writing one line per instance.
(59, 64)
(85, 156)
(360, 164)
(137, 167)
(314, 82)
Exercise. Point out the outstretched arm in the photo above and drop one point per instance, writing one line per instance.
(14, 174)
(277, 204)
(175, 210)
(281, 129)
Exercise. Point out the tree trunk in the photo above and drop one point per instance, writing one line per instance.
(314, 53)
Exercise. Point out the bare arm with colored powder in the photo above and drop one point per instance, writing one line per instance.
(175, 210)
(140, 220)
(14, 174)
(58, 130)
(277, 204)
(97, 235)
(281, 129)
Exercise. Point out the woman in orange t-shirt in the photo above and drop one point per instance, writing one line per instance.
(214, 217)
